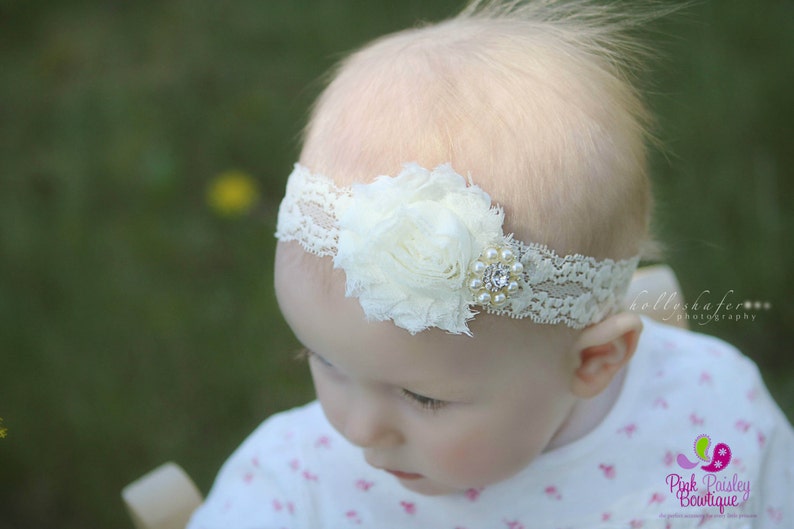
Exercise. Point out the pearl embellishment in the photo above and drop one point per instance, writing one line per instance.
(494, 276)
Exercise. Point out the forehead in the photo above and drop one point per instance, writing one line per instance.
(312, 299)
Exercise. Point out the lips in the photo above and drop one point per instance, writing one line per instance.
(404, 475)
(396, 473)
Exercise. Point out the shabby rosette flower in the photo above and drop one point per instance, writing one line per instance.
(405, 244)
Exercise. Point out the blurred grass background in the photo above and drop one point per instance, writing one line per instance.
(139, 324)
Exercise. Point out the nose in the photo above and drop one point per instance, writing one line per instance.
(369, 423)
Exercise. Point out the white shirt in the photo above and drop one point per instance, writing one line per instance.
(295, 471)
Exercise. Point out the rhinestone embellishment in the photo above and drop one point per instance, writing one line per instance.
(494, 275)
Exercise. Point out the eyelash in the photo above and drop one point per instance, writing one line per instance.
(322, 360)
(426, 403)
(307, 354)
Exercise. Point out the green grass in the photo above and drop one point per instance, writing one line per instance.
(138, 327)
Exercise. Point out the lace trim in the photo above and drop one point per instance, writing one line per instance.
(574, 290)
(510, 277)
(310, 212)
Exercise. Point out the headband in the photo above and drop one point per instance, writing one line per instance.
(424, 249)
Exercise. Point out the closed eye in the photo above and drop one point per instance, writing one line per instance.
(426, 403)
(423, 402)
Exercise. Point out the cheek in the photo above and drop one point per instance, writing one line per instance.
(479, 455)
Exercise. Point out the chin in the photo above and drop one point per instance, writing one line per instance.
(429, 488)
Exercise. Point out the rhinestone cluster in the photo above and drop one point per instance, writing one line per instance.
(494, 276)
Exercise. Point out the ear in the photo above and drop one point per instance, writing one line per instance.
(602, 350)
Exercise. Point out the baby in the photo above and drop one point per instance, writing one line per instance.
(462, 316)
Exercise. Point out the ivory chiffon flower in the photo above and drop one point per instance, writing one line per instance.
(406, 243)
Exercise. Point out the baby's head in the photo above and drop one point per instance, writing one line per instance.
(538, 112)
(533, 105)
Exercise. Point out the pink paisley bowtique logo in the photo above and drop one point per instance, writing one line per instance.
(717, 487)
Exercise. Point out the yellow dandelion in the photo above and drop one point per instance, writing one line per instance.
(232, 193)
(3, 429)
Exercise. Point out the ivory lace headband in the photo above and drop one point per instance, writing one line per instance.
(424, 249)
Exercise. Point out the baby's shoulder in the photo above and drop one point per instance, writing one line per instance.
(697, 360)
(288, 430)
(288, 445)
(264, 481)
(693, 383)
(710, 402)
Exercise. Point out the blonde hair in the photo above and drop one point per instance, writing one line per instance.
(532, 100)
